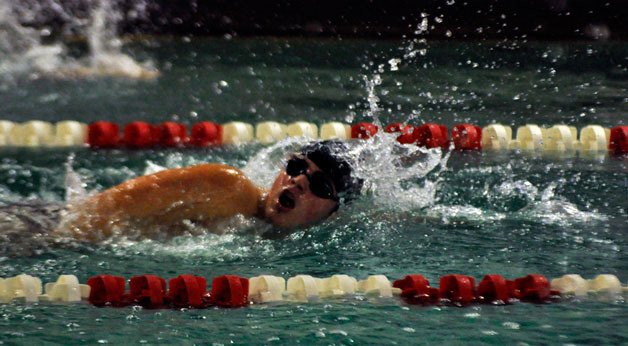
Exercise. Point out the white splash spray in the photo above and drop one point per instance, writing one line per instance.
(22, 52)
(394, 174)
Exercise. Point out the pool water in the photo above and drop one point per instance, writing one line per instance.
(422, 212)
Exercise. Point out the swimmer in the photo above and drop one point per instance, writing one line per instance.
(311, 187)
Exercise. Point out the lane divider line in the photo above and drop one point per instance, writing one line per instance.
(142, 135)
(231, 291)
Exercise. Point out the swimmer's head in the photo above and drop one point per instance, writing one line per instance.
(314, 183)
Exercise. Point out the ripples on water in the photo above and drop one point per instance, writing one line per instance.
(405, 187)
(423, 211)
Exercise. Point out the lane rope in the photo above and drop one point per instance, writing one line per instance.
(231, 291)
(142, 135)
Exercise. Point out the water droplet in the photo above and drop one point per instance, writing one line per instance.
(394, 64)
(511, 325)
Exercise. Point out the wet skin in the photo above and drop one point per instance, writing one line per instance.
(291, 204)
(162, 201)
(205, 193)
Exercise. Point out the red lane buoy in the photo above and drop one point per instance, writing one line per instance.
(415, 289)
(103, 134)
(206, 133)
(148, 291)
(139, 135)
(170, 134)
(107, 290)
(187, 290)
(407, 132)
(458, 289)
(493, 289)
(467, 137)
(363, 130)
(432, 136)
(618, 142)
(229, 291)
(533, 287)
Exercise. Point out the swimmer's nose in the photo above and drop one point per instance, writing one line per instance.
(300, 184)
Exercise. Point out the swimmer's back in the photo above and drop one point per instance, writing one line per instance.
(205, 192)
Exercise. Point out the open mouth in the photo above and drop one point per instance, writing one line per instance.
(286, 200)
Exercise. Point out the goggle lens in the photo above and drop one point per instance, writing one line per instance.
(320, 184)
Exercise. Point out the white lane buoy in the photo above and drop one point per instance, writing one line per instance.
(605, 283)
(266, 288)
(335, 130)
(377, 285)
(302, 129)
(70, 133)
(5, 129)
(65, 289)
(33, 133)
(302, 288)
(496, 137)
(270, 132)
(23, 287)
(337, 285)
(594, 138)
(530, 137)
(571, 284)
(561, 138)
(237, 132)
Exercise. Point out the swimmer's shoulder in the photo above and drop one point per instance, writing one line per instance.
(199, 176)
(205, 192)
(210, 175)
(215, 170)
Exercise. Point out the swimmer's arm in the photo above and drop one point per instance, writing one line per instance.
(203, 192)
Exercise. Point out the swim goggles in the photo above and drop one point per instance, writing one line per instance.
(320, 183)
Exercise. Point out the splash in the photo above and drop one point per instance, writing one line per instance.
(394, 174)
(106, 58)
(22, 51)
(549, 208)
(262, 168)
(227, 245)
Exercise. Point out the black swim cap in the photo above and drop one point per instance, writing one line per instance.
(331, 157)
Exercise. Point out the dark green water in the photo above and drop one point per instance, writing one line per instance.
(511, 214)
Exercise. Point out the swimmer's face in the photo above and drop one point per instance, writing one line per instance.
(291, 202)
